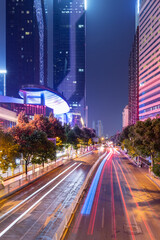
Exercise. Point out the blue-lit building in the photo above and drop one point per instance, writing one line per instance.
(69, 54)
(34, 100)
(26, 44)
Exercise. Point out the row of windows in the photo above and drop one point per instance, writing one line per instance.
(149, 96)
(142, 20)
(150, 102)
(149, 39)
(156, 57)
(149, 46)
(149, 33)
(150, 51)
(144, 10)
(148, 74)
(148, 68)
(141, 84)
(151, 115)
(150, 89)
(150, 109)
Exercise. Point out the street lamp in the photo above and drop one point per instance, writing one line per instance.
(3, 72)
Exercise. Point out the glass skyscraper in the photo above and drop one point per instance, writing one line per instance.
(26, 44)
(149, 59)
(69, 52)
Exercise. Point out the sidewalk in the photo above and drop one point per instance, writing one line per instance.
(14, 184)
(149, 174)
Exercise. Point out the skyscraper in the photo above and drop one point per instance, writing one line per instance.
(26, 44)
(69, 52)
(149, 59)
(133, 104)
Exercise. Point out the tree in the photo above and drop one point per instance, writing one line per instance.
(22, 118)
(9, 151)
(28, 141)
(46, 151)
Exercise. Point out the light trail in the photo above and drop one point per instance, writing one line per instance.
(79, 218)
(26, 199)
(127, 215)
(145, 223)
(40, 199)
(92, 191)
(94, 210)
(113, 205)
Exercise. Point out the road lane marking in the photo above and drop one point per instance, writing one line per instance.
(103, 218)
(95, 205)
(40, 199)
(26, 199)
(124, 204)
(113, 204)
(138, 207)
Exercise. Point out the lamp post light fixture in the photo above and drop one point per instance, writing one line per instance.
(4, 72)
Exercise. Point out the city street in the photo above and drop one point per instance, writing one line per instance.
(37, 210)
(126, 205)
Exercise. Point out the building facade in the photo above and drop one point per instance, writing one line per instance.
(26, 44)
(69, 53)
(149, 59)
(125, 117)
(133, 104)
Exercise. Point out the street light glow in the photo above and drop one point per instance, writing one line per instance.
(85, 4)
(3, 71)
(138, 6)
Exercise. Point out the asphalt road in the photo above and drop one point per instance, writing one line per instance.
(126, 205)
(36, 211)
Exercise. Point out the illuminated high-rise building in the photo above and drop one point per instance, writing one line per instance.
(26, 44)
(149, 59)
(69, 53)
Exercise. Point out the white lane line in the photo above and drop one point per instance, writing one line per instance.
(22, 215)
(26, 199)
(103, 218)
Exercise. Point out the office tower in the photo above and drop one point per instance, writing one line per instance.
(69, 53)
(133, 104)
(26, 44)
(149, 59)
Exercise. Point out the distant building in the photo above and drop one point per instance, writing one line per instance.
(149, 59)
(26, 44)
(98, 127)
(133, 104)
(34, 100)
(125, 116)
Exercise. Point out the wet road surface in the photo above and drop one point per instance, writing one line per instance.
(126, 205)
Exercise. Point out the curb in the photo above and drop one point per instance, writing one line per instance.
(153, 180)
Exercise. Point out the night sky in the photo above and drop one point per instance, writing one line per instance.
(110, 33)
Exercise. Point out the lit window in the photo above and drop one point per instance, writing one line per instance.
(80, 70)
(27, 12)
(27, 33)
(80, 26)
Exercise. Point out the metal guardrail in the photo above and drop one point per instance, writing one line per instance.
(23, 181)
(71, 209)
